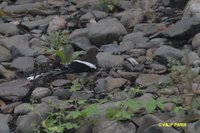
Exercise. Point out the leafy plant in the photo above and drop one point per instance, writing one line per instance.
(77, 84)
(110, 4)
(129, 107)
(62, 120)
(60, 45)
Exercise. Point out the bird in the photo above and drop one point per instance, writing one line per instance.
(86, 63)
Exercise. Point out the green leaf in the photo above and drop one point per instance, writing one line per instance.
(69, 125)
(91, 110)
(150, 105)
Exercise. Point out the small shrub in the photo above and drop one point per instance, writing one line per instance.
(61, 46)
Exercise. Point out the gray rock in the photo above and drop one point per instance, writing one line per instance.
(110, 48)
(190, 58)
(149, 28)
(183, 29)
(26, 123)
(41, 59)
(62, 93)
(107, 60)
(130, 18)
(80, 38)
(193, 127)
(106, 126)
(98, 15)
(18, 45)
(60, 82)
(8, 29)
(33, 24)
(158, 129)
(40, 92)
(25, 64)
(19, 2)
(6, 118)
(126, 46)
(106, 31)
(81, 95)
(5, 54)
(146, 80)
(101, 86)
(165, 54)
(147, 121)
(196, 42)
(144, 4)
(14, 90)
(6, 73)
(136, 38)
(191, 9)
(18, 8)
(37, 45)
(4, 127)
(23, 108)
(125, 4)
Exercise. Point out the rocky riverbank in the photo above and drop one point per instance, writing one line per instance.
(148, 50)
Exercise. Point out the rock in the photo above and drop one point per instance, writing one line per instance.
(150, 125)
(159, 129)
(41, 59)
(146, 80)
(183, 29)
(14, 90)
(106, 126)
(80, 38)
(8, 29)
(62, 93)
(33, 24)
(22, 8)
(125, 5)
(6, 73)
(114, 83)
(40, 92)
(19, 2)
(110, 48)
(5, 54)
(107, 60)
(196, 42)
(190, 58)
(136, 38)
(26, 123)
(131, 76)
(23, 109)
(106, 31)
(86, 128)
(149, 28)
(9, 107)
(25, 64)
(166, 54)
(144, 4)
(4, 127)
(98, 15)
(191, 9)
(81, 95)
(6, 118)
(60, 82)
(130, 18)
(18, 45)
(56, 2)
(101, 86)
(168, 107)
(196, 88)
(193, 127)
(37, 45)
(126, 46)
(58, 23)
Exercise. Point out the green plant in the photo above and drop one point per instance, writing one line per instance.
(110, 4)
(77, 84)
(129, 107)
(60, 45)
(63, 120)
